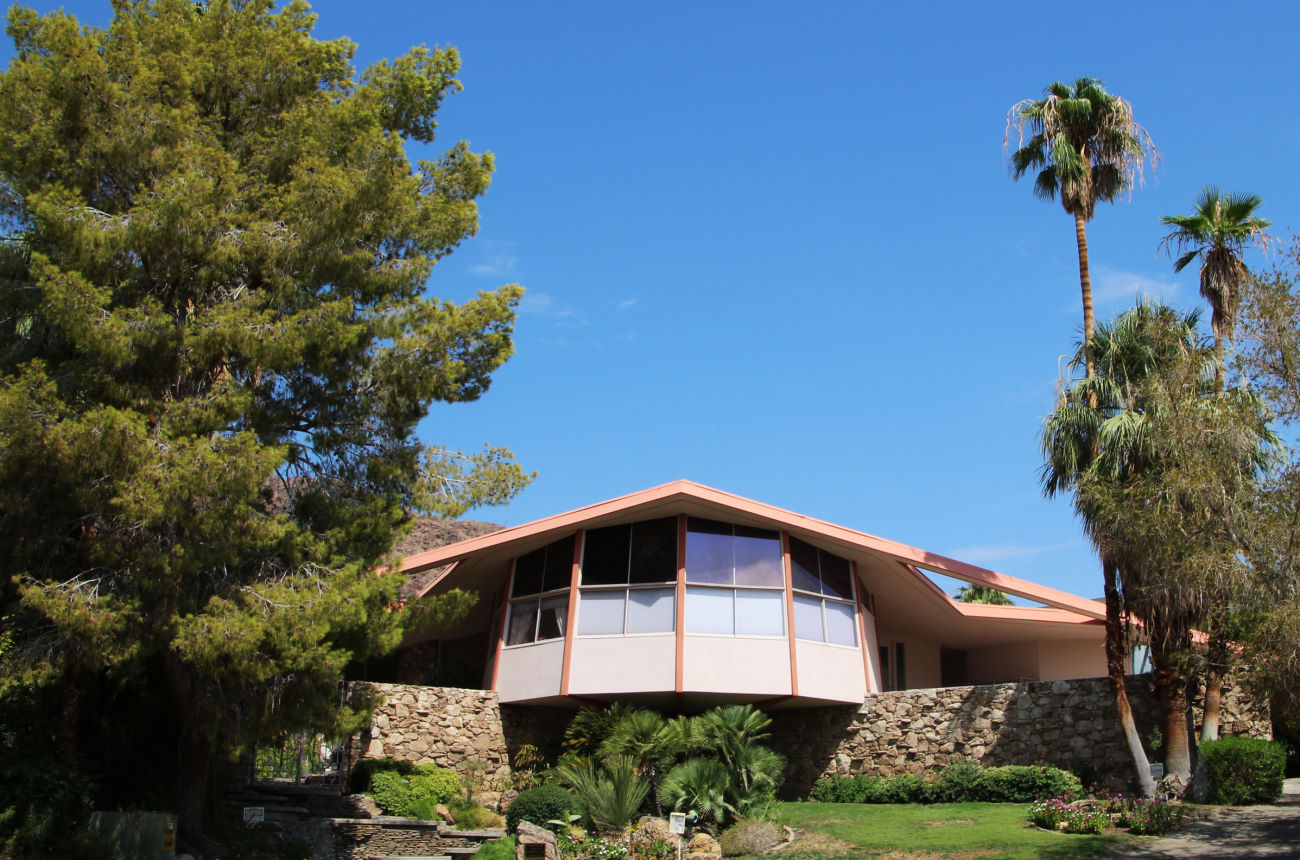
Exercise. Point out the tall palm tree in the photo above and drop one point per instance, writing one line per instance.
(1084, 148)
(976, 593)
(1216, 233)
(1098, 435)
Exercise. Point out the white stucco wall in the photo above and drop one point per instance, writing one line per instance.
(724, 664)
(530, 671)
(623, 664)
(830, 672)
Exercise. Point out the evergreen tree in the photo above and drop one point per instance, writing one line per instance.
(215, 347)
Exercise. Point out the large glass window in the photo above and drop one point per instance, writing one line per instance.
(539, 595)
(629, 575)
(824, 609)
(720, 559)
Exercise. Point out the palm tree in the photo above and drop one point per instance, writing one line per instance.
(1084, 147)
(976, 593)
(1216, 233)
(1099, 435)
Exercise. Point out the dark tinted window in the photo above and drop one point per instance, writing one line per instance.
(803, 566)
(654, 550)
(836, 574)
(559, 565)
(604, 555)
(528, 572)
(710, 555)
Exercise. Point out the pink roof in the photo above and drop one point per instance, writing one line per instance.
(1064, 607)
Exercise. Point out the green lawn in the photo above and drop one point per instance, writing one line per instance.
(956, 830)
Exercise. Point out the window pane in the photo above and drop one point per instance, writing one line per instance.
(528, 573)
(601, 612)
(654, 550)
(554, 612)
(836, 574)
(760, 613)
(808, 618)
(559, 565)
(651, 610)
(709, 610)
(900, 668)
(709, 556)
(841, 625)
(604, 556)
(758, 557)
(803, 566)
(523, 622)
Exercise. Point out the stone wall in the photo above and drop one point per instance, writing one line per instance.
(1071, 724)
(447, 726)
(468, 731)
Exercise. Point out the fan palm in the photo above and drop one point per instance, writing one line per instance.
(976, 593)
(1084, 147)
(1099, 435)
(1216, 233)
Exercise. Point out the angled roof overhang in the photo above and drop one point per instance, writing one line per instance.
(875, 556)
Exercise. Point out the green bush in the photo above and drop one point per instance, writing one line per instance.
(908, 788)
(1015, 783)
(364, 770)
(958, 782)
(538, 806)
(415, 794)
(1244, 771)
(497, 849)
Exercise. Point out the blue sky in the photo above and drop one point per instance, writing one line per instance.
(774, 248)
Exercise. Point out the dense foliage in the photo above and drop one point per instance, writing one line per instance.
(413, 794)
(1244, 771)
(540, 805)
(959, 782)
(215, 347)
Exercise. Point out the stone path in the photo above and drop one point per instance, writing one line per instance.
(1250, 831)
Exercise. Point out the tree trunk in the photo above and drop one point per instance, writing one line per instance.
(1115, 669)
(1216, 660)
(194, 752)
(1085, 286)
(1172, 689)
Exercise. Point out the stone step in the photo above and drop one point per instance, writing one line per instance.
(488, 833)
(408, 857)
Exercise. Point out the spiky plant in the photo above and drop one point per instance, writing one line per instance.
(699, 786)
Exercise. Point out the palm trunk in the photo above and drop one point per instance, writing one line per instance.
(1115, 669)
(1172, 690)
(1085, 286)
(1216, 659)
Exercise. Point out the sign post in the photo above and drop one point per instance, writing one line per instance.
(677, 825)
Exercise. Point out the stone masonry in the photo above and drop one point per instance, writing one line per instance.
(1070, 724)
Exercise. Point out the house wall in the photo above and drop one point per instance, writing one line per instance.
(921, 657)
(1070, 724)
(725, 664)
(601, 664)
(1067, 659)
(531, 671)
(1000, 663)
(830, 671)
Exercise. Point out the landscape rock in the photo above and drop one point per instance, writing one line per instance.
(530, 834)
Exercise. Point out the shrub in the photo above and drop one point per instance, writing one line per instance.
(958, 782)
(1082, 820)
(1244, 771)
(583, 846)
(749, 836)
(364, 770)
(1025, 783)
(836, 789)
(415, 794)
(908, 788)
(538, 806)
(497, 849)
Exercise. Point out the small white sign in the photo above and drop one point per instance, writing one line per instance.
(254, 814)
(677, 822)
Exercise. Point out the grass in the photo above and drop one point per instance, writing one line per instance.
(943, 830)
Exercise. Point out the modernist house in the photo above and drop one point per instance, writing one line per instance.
(681, 597)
